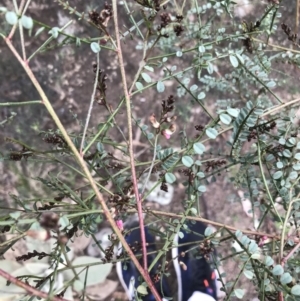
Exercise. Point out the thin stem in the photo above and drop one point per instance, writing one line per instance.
(91, 105)
(151, 166)
(20, 103)
(290, 254)
(29, 289)
(277, 46)
(280, 107)
(297, 16)
(131, 155)
(265, 181)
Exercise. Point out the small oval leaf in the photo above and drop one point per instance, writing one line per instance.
(187, 161)
(146, 77)
(233, 112)
(11, 17)
(95, 47)
(139, 85)
(208, 231)
(286, 278)
(277, 175)
(211, 133)
(277, 270)
(233, 60)
(295, 290)
(239, 293)
(248, 274)
(160, 87)
(199, 148)
(141, 289)
(170, 177)
(27, 22)
(55, 32)
(201, 95)
(225, 118)
(202, 188)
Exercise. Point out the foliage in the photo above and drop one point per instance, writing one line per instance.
(211, 93)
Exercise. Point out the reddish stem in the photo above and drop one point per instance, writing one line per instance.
(30, 289)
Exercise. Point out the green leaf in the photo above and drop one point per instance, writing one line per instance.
(187, 161)
(95, 47)
(282, 141)
(27, 22)
(248, 274)
(141, 289)
(225, 118)
(271, 84)
(11, 17)
(150, 135)
(55, 32)
(252, 248)
(277, 270)
(170, 177)
(193, 211)
(139, 86)
(295, 290)
(240, 58)
(238, 234)
(255, 256)
(279, 164)
(293, 175)
(233, 60)
(201, 95)
(178, 53)
(277, 175)
(149, 68)
(181, 235)
(269, 261)
(41, 29)
(199, 148)
(208, 231)
(201, 49)
(211, 133)
(239, 293)
(286, 278)
(233, 112)
(297, 156)
(146, 78)
(193, 88)
(287, 153)
(160, 87)
(202, 188)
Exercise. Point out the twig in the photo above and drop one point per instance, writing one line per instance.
(131, 155)
(290, 254)
(264, 179)
(207, 221)
(88, 117)
(297, 15)
(151, 166)
(31, 290)
(20, 103)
